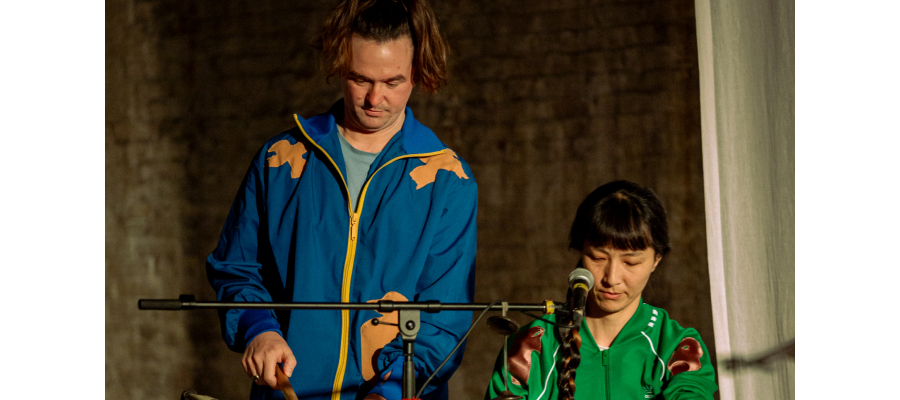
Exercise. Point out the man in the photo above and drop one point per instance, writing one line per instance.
(358, 204)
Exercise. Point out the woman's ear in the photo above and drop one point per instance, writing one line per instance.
(658, 258)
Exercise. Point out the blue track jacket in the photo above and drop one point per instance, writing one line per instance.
(291, 235)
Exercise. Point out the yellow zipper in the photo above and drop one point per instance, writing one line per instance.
(351, 256)
(348, 274)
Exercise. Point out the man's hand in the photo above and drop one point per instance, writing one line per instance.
(262, 355)
(373, 396)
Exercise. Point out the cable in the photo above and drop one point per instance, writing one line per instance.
(424, 385)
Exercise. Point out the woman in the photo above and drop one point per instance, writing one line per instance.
(623, 348)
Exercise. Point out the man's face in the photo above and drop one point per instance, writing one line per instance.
(378, 85)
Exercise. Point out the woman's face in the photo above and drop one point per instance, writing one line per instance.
(619, 277)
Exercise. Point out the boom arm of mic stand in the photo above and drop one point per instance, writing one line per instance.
(187, 302)
(408, 313)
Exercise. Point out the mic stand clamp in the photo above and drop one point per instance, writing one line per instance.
(409, 326)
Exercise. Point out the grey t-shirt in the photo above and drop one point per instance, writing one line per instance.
(357, 163)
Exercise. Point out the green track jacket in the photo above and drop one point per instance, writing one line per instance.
(653, 357)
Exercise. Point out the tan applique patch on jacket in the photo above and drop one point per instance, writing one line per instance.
(285, 152)
(374, 337)
(686, 356)
(425, 174)
(520, 353)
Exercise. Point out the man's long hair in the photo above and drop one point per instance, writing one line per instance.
(385, 21)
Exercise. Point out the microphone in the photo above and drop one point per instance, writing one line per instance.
(580, 283)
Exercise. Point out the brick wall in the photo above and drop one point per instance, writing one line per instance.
(547, 101)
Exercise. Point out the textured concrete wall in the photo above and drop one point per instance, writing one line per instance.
(547, 101)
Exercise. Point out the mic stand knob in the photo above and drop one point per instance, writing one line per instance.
(376, 321)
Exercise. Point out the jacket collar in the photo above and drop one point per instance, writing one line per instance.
(414, 137)
(643, 320)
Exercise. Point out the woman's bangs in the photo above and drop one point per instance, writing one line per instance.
(622, 228)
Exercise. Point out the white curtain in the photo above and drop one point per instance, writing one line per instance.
(746, 59)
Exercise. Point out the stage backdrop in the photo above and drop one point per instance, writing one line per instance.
(547, 100)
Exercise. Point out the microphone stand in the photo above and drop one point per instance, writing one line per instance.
(408, 314)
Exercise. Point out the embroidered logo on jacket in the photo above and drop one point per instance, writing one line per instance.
(686, 356)
(520, 358)
(285, 152)
(425, 174)
(649, 390)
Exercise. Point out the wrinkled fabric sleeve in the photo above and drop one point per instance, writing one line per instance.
(448, 277)
(693, 385)
(234, 267)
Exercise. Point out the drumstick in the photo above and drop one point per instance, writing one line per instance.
(285, 385)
